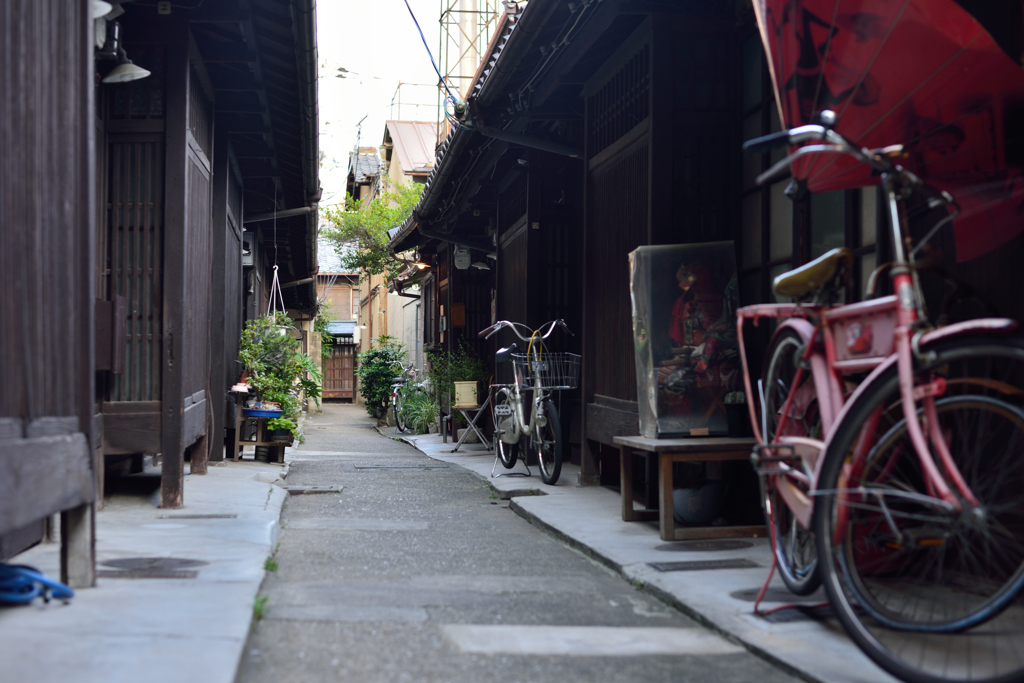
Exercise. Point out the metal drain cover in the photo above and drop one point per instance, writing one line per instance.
(702, 565)
(401, 467)
(801, 613)
(704, 546)
(296, 490)
(151, 568)
(210, 516)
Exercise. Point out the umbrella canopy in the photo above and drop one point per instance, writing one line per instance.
(921, 73)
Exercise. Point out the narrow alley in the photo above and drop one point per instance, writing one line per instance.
(415, 571)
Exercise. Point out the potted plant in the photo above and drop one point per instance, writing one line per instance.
(460, 369)
(278, 372)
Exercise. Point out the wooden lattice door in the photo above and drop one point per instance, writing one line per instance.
(339, 372)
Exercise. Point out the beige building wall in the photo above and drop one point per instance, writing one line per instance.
(404, 323)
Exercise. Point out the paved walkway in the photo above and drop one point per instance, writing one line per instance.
(416, 571)
(590, 519)
(175, 595)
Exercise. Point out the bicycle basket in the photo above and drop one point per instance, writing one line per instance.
(555, 370)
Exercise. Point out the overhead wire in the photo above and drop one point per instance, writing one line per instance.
(444, 82)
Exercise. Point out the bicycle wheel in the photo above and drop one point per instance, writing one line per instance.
(929, 592)
(399, 413)
(795, 550)
(506, 436)
(547, 443)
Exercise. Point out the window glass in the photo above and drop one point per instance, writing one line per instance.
(867, 264)
(750, 291)
(774, 127)
(751, 162)
(774, 273)
(752, 71)
(781, 230)
(868, 215)
(751, 255)
(828, 221)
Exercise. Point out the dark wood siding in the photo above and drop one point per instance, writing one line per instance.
(619, 208)
(134, 258)
(46, 260)
(197, 277)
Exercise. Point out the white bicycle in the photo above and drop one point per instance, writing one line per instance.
(531, 423)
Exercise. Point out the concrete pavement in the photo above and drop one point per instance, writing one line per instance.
(590, 519)
(417, 571)
(195, 625)
(187, 616)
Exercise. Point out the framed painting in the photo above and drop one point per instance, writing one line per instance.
(684, 299)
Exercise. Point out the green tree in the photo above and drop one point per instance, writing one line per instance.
(378, 368)
(320, 322)
(359, 232)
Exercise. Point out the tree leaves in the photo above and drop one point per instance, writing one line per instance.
(365, 227)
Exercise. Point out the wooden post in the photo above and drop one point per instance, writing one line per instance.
(78, 546)
(590, 451)
(78, 533)
(198, 455)
(175, 214)
(220, 289)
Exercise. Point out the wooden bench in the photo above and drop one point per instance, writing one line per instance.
(670, 451)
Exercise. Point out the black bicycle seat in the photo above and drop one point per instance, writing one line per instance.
(504, 354)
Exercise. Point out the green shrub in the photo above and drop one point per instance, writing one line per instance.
(377, 370)
(461, 365)
(420, 412)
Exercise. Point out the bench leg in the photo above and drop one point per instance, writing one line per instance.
(667, 511)
(626, 483)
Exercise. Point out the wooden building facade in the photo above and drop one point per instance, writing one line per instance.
(47, 432)
(596, 128)
(219, 137)
(121, 230)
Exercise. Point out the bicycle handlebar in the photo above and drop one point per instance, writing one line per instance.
(487, 332)
(832, 142)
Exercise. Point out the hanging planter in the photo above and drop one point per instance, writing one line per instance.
(279, 373)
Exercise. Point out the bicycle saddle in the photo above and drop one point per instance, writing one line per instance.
(812, 276)
(503, 354)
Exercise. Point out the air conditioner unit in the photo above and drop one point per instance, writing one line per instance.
(248, 249)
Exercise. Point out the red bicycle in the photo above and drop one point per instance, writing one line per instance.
(892, 453)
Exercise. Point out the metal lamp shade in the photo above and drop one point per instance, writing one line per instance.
(125, 72)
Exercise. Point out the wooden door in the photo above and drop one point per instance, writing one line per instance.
(339, 372)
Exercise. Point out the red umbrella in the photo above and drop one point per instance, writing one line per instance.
(921, 73)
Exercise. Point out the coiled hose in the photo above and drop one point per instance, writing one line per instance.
(21, 584)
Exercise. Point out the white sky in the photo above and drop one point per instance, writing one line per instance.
(379, 46)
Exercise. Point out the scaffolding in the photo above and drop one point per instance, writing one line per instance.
(466, 30)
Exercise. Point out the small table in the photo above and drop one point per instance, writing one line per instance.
(671, 451)
(262, 438)
(477, 412)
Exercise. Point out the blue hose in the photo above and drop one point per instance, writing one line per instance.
(21, 584)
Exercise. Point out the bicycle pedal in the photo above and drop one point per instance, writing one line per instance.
(766, 459)
(765, 471)
(774, 452)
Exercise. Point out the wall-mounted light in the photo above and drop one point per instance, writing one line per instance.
(125, 71)
(100, 8)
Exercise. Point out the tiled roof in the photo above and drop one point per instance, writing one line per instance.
(363, 166)
(330, 261)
